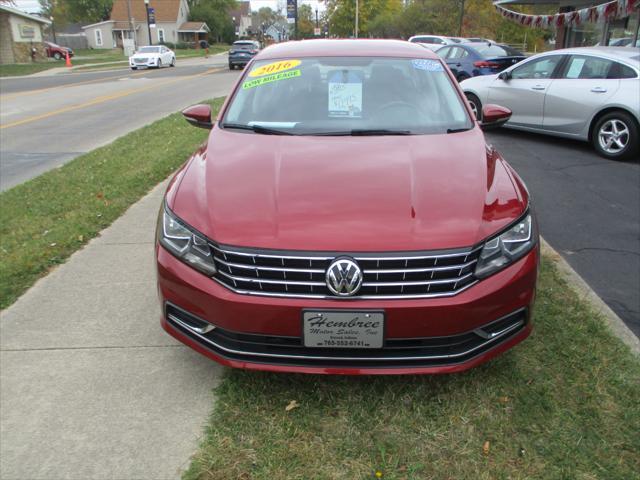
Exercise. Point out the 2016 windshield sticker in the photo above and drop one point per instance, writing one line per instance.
(276, 77)
(345, 95)
(427, 65)
(274, 67)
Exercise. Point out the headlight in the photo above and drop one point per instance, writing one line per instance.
(185, 243)
(506, 248)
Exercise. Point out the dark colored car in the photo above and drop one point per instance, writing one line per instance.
(242, 52)
(56, 51)
(468, 60)
(347, 216)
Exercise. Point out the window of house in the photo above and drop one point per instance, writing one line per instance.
(98, 37)
(161, 38)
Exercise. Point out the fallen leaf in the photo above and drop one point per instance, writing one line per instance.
(485, 448)
(402, 468)
(100, 195)
(80, 237)
(503, 399)
(52, 244)
(292, 404)
(378, 474)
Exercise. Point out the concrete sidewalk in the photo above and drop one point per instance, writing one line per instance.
(90, 385)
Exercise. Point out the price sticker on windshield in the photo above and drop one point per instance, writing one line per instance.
(275, 67)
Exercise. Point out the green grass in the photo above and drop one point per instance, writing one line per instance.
(46, 219)
(16, 69)
(565, 404)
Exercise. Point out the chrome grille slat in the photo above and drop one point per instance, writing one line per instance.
(389, 275)
(407, 284)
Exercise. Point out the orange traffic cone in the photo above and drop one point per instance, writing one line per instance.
(68, 59)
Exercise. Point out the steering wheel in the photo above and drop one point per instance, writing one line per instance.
(397, 105)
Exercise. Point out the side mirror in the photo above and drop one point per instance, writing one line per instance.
(199, 116)
(494, 116)
(504, 76)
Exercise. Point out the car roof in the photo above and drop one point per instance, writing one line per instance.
(630, 54)
(345, 48)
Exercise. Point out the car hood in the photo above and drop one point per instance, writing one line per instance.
(145, 55)
(361, 194)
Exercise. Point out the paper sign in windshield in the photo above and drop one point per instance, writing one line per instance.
(427, 65)
(271, 78)
(345, 95)
(274, 67)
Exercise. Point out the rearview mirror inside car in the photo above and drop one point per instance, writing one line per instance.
(494, 116)
(199, 116)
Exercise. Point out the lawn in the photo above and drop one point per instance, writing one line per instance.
(46, 219)
(565, 404)
(103, 59)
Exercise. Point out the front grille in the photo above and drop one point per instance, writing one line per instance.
(385, 276)
(430, 351)
(140, 60)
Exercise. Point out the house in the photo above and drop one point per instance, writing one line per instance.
(19, 33)
(171, 25)
(241, 16)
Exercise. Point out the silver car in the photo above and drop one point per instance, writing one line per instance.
(590, 94)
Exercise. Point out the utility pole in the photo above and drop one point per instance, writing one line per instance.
(356, 19)
(146, 7)
(461, 18)
(131, 24)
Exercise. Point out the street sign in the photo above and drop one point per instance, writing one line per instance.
(292, 9)
(316, 32)
(151, 12)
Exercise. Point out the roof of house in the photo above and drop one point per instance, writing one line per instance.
(243, 10)
(193, 27)
(166, 10)
(20, 13)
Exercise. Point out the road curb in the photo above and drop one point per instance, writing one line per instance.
(586, 293)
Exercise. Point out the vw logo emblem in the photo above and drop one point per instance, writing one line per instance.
(344, 277)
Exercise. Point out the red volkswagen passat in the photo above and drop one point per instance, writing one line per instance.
(347, 216)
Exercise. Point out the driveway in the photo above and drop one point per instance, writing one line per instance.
(589, 211)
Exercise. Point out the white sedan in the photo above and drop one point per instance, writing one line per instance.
(590, 94)
(156, 57)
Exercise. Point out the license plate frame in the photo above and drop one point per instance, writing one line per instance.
(352, 336)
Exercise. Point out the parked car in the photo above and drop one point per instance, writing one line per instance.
(588, 93)
(56, 51)
(346, 216)
(621, 42)
(472, 59)
(242, 52)
(478, 40)
(157, 56)
(433, 42)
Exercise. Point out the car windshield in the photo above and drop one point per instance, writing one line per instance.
(344, 95)
(149, 50)
(492, 50)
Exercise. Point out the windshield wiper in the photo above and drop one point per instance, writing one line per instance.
(257, 129)
(364, 132)
(457, 130)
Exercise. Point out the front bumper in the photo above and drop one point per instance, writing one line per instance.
(433, 335)
(148, 63)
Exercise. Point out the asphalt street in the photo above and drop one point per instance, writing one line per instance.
(588, 209)
(47, 121)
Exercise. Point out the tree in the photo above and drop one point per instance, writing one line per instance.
(216, 14)
(341, 15)
(86, 11)
(306, 23)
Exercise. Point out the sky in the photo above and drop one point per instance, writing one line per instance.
(33, 5)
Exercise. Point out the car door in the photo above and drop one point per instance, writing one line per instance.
(453, 60)
(584, 85)
(524, 91)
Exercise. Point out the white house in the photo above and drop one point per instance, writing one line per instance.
(171, 24)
